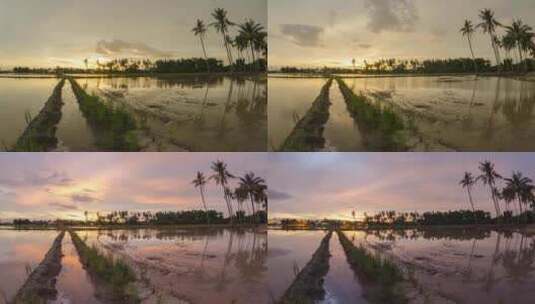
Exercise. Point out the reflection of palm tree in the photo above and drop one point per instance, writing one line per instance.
(199, 120)
(200, 30)
(519, 264)
(491, 279)
(468, 30)
(228, 107)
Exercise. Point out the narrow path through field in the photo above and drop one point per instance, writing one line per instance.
(73, 283)
(341, 285)
(73, 133)
(341, 132)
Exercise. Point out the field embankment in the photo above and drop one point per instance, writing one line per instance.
(40, 287)
(114, 280)
(307, 134)
(40, 134)
(307, 288)
(381, 127)
(113, 126)
(380, 277)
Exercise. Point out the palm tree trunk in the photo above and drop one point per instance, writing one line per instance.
(470, 198)
(205, 56)
(204, 205)
(472, 52)
(253, 56)
(252, 205)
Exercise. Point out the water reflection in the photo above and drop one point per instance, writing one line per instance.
(485, 266)
(198, 265)
(193, 113)
(20, 253)
(18, 97)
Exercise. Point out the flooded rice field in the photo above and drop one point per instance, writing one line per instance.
(20, 253)
(192, 113)
(289, 100)
(171, 265)
(20, 97)
(461, 113)
(187, 113)
(193, 265)
(449, 265)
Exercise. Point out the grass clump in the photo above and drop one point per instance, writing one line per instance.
(380, 276)
(114, 126)
(382, 127)
(117, 276)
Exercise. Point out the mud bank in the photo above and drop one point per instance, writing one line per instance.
(113, 280)
(308, 285)
(40, 286)
(381, 279)
(113, 127)
(307, 135)
(40, 134)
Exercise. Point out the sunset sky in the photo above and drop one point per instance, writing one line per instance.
(319, 185)
(64, 32)
(314, 33)
(52, 185)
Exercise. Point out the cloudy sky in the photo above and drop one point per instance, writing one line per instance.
(318, 32)
(318, 185)
(51, 185)
(64, 32)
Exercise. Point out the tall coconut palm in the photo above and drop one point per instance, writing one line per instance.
(517, 32)
(519, 188)
(489, 176)
(222, 24)
(252, 184)
(489, 25)
(468, 31)
(509, 43)
(222, 177)
(250, 30)
(200, 182)
(86, 63)
(468, 182)
(200, 30)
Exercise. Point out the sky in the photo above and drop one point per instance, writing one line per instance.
(64, 32)
(316, 33)
(331, 185)
(64, 185)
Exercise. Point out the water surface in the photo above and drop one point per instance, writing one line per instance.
(195, 265)
(20, 252)
(19, 96)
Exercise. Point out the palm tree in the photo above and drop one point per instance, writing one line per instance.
(200, 182)
(200, 30)
(509, 43)
(222, 25)
(222, 176)
(489, 25)
(521, 34)
(489, 177)
(254, 186)
(468, 30)
(249, 31)
(519, 188)
(468, 182)
(86, 62)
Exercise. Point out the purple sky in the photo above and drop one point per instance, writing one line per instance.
(317, 185)
(306, 185)
(50, 185)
